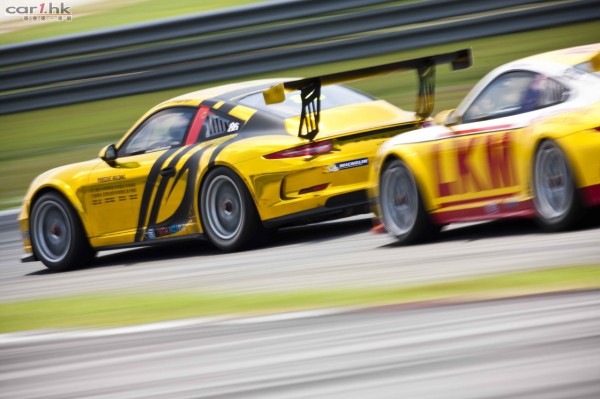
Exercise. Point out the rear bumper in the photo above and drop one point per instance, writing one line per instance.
(339, 206)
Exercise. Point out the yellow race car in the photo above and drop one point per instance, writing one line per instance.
(525, 142)
(229, 164)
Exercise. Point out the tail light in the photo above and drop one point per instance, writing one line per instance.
(307, 150)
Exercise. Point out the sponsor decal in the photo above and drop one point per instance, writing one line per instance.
(496, 170)
(32, 11)
(25, 235)
(107, 179)
(112, 193)
(160, 232)
(355, 163)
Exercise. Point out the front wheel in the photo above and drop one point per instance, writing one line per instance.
(229, 217)
(57, 236)
(555, 196)
(402, 209)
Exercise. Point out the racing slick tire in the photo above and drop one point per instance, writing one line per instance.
(402, 210)
(229, 217)
(57, 235)
(555, 197)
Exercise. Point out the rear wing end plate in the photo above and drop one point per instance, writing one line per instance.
(310, 88)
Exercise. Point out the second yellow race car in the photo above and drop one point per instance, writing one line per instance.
(525, 142)
(228, 163)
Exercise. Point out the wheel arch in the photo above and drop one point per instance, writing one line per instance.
(576, 174)
(69, 196)
(417, 167)
(202, 181)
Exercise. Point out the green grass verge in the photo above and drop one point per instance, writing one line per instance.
(117, 310)
(36, 141)
(112, 13)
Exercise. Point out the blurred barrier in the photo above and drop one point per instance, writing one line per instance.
(234, 43)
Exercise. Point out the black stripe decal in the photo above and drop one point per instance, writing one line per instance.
(209, 103)
(160, 192)
(227, 107)
(152, 177)
(220, 148)
(185, 211)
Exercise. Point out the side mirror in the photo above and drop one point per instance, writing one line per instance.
(453, 119)
(442, 117)
(108, 154)
(447, 117)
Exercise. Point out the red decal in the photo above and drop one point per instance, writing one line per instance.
(591, 195)
(196, 125)
(484, 129)
(466, 173)
(443, 188)
(504, 210)
(474, 200)
(500, 162)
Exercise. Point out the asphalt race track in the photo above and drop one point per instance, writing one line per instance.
(537, 347)
(333, 254)
(545, 346)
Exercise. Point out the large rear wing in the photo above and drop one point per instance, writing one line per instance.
(310, 88)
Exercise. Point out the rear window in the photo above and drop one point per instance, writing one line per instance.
(587, 67)
(331, 97)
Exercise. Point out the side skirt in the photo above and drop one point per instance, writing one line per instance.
(151, 243)
(486, 212)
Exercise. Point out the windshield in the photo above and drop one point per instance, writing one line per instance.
(331, 97)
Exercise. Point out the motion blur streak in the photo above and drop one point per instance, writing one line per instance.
(348, 256)
(539, 347)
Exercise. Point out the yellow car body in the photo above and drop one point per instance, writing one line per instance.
(525, 142)
(218, 163)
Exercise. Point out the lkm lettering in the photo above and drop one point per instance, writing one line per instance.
(501, 171)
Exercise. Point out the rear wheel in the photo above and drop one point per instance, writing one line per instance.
(403, 213)
(229, 217)
(57, 236)
(555, 196)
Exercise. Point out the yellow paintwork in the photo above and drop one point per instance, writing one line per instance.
(490, 168)
(108, 196)
(508, 179)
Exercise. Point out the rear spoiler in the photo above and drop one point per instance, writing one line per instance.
(310, 88)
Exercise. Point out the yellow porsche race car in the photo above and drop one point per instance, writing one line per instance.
(525, 142)
(229, 164)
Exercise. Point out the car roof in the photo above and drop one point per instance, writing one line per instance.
(568, 56)
(228, 92)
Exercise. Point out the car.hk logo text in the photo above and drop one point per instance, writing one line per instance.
(42, 12)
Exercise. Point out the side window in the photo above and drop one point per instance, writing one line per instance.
(506, 95)
(165, 129)
(551, 93)
(515, 93)
(218, 125)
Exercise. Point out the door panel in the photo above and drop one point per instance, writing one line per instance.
(471, 167)
(114, 197)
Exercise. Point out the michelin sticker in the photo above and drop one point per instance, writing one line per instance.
(348, 165)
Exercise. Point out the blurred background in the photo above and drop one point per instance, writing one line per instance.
(78, 79)
(70, 86)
